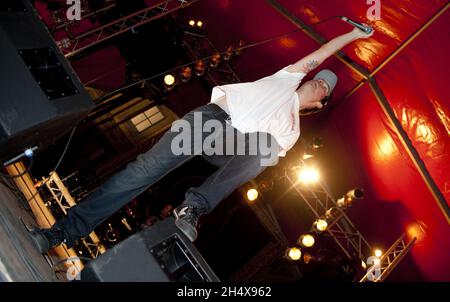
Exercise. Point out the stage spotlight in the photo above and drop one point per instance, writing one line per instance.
(192, 23)
(294, 253)
(378, 253)
(215, 60)
(239, 50)
(265, 185)
(363, 265)
(332, 213)
(169, 82)
(355, 193)
(308, 154)
(317, 143)
(228, 53)
(185, 74)
(343, 202)
(308, 175)
(308, 258)
(199, 24)
(252, 194)
(349, 197)
(306, 240)
(200, 68)
(320, 225)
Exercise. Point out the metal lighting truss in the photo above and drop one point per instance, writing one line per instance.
(341, 229)
(387, 262)
(65, 201)
(87, 14)
(346, 235)
(200, 47)
(71, 47)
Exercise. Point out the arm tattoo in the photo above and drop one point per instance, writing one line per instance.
(311, 65)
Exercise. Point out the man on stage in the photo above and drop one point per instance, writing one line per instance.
(266, 110)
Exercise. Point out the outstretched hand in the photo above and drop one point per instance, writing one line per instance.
(359, 34)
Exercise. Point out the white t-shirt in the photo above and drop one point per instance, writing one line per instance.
(269, 105)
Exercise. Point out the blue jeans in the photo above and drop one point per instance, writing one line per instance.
(149, 167)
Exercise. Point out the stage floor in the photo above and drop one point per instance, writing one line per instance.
(19, 259)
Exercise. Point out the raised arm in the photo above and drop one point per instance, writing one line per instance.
(316, 58)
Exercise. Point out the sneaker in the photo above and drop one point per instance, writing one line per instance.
(186, 219)
(46, 239)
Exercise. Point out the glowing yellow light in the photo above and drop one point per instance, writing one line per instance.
(191, 22)
(363, 264)
(321, 225)
(294, 253)
(378, 253)
(307, 240)
(252, 194)
(307, 156)
(169, 80)
(417, 230)
(341, 202)
(308, 175)
(199, 23)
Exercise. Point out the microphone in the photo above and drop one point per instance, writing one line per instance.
(364, 28)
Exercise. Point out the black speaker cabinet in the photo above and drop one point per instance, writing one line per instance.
(41, 97)
(160, 253)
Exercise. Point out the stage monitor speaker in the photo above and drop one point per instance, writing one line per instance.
(41, 97)
(160, 253)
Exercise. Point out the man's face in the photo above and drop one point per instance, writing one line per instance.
(312, 92)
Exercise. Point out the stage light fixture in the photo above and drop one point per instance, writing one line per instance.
(307, 156)
(378, 253)
(317, 143)
(265, 185)
(308, 258)
(320, 225)
(252, 194)
(199, 24)
(356, 193)
(294, 253)
(215, 60)
(239, 49)
(169, 82)
(306, 240)
(185, 74)
(228, 53)
(192, 23)
(200, 68)
(308, 175)
(332, 213)
(347, 200)
(343, 202)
